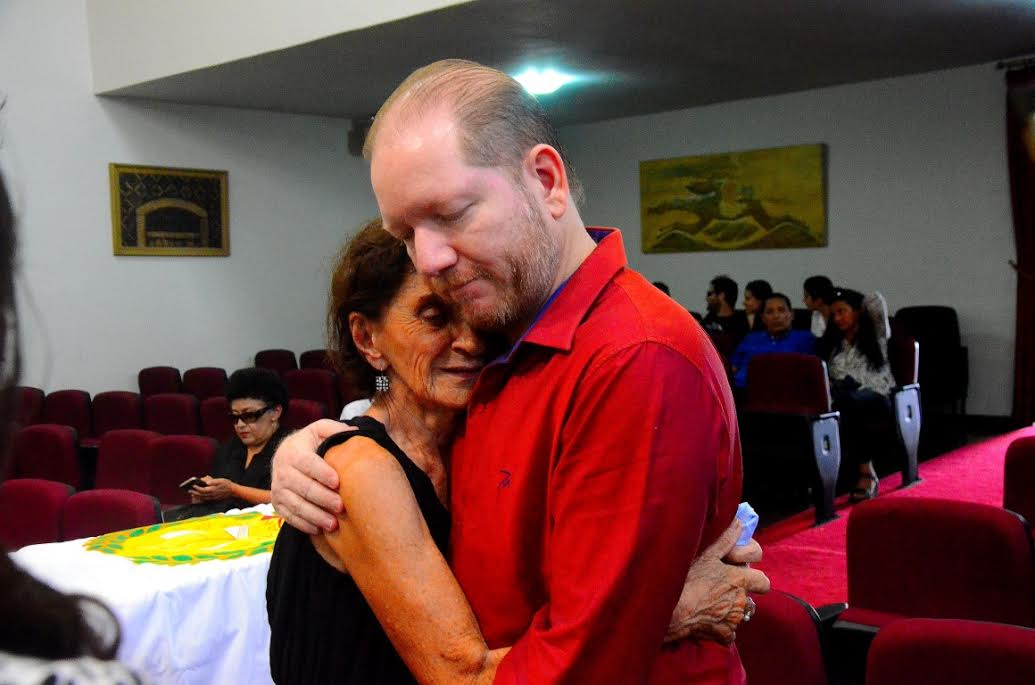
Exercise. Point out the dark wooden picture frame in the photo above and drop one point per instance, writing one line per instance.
(165, 211)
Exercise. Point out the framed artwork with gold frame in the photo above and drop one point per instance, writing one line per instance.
(164, 211)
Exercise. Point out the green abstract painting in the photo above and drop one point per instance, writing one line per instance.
(753, 200)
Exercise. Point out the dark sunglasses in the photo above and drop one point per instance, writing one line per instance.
(247, 416)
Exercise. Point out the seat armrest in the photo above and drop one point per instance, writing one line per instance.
(903, 388)
(828, 613)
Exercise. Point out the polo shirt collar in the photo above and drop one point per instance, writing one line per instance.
(556, 324)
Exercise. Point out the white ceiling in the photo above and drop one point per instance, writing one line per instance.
(645, 56)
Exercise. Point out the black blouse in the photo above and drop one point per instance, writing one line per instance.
(322, 629)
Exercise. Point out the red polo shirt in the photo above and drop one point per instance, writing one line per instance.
(597, 458)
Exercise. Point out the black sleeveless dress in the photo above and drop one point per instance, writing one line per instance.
(323, 631)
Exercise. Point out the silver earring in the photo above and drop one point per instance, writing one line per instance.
(381, 382)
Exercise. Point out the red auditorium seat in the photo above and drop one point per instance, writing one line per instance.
(117, 410)
(174, 459)
(280, 361)
(47, 451)
(214, 421)
(205, 381)
(317, 385)
(938, 558)
(951, 652)
(155, 380)
(301, 413)
(96, 512)
(1019, 478)
(172, 414)
(69, 408)
(30, 511)
(347, 392)
(30, 405)
(788, 427)
(782, 643)
(123, 460)
(930, 558)
(315, 359)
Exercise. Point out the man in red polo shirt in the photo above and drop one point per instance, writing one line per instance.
(600, 453)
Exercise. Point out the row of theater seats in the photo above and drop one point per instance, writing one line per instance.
(167, 413)
(791, 435)
(939, 591)
(34, 511)
(130, 459)
(52, 451)
(787, 642)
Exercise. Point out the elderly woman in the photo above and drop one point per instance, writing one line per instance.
(375, 599)
(856, 348)
(240, 474)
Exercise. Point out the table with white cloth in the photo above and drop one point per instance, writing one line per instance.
(190, 595)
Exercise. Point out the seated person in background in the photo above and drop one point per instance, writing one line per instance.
(777, 337)
(755, 295)
(856, 349)
(723, 316)
(818, 291)
(240, 474)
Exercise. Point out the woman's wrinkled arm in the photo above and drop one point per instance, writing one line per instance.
(385, 545)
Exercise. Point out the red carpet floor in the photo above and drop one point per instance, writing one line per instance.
(809, 561)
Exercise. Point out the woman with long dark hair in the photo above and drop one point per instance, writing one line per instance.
(45, 636)
(856, 349)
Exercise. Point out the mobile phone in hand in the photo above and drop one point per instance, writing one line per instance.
(192, 482)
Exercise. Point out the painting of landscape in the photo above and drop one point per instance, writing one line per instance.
(753, 200)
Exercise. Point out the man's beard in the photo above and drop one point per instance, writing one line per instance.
(530, 270)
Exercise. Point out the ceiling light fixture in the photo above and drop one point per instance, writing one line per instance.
(543, 81)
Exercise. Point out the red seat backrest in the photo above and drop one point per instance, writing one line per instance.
(30, 405)
(205, 381)
(96, 512)
(277, 360)
(904, 359)
(69, 408)
(300, 413)
(48, 451)
(950, 652)
(939, 558)
(214, 421)
(1019, 478)
(314, 359)
(781, 644)
(117, 410)
(172, 414)
(159, 379)
(787, 382)
(174, 459)
(123, 460)
(317, 385)
(30, 511)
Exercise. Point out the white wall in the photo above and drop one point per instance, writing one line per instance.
(90, 319)
(918, 199)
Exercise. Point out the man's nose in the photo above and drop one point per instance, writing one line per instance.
(432, 253)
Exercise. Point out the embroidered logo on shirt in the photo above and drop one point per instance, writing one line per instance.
(504, 479)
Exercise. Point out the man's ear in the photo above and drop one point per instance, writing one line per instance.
(364, 334)
(544, 163)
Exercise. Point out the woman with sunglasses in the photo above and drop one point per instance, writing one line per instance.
(240, 474)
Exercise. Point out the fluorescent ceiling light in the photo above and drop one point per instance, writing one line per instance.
(541, 82)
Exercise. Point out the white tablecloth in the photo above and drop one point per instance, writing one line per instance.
(188, 624)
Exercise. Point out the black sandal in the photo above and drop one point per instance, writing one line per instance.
(859, 494)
